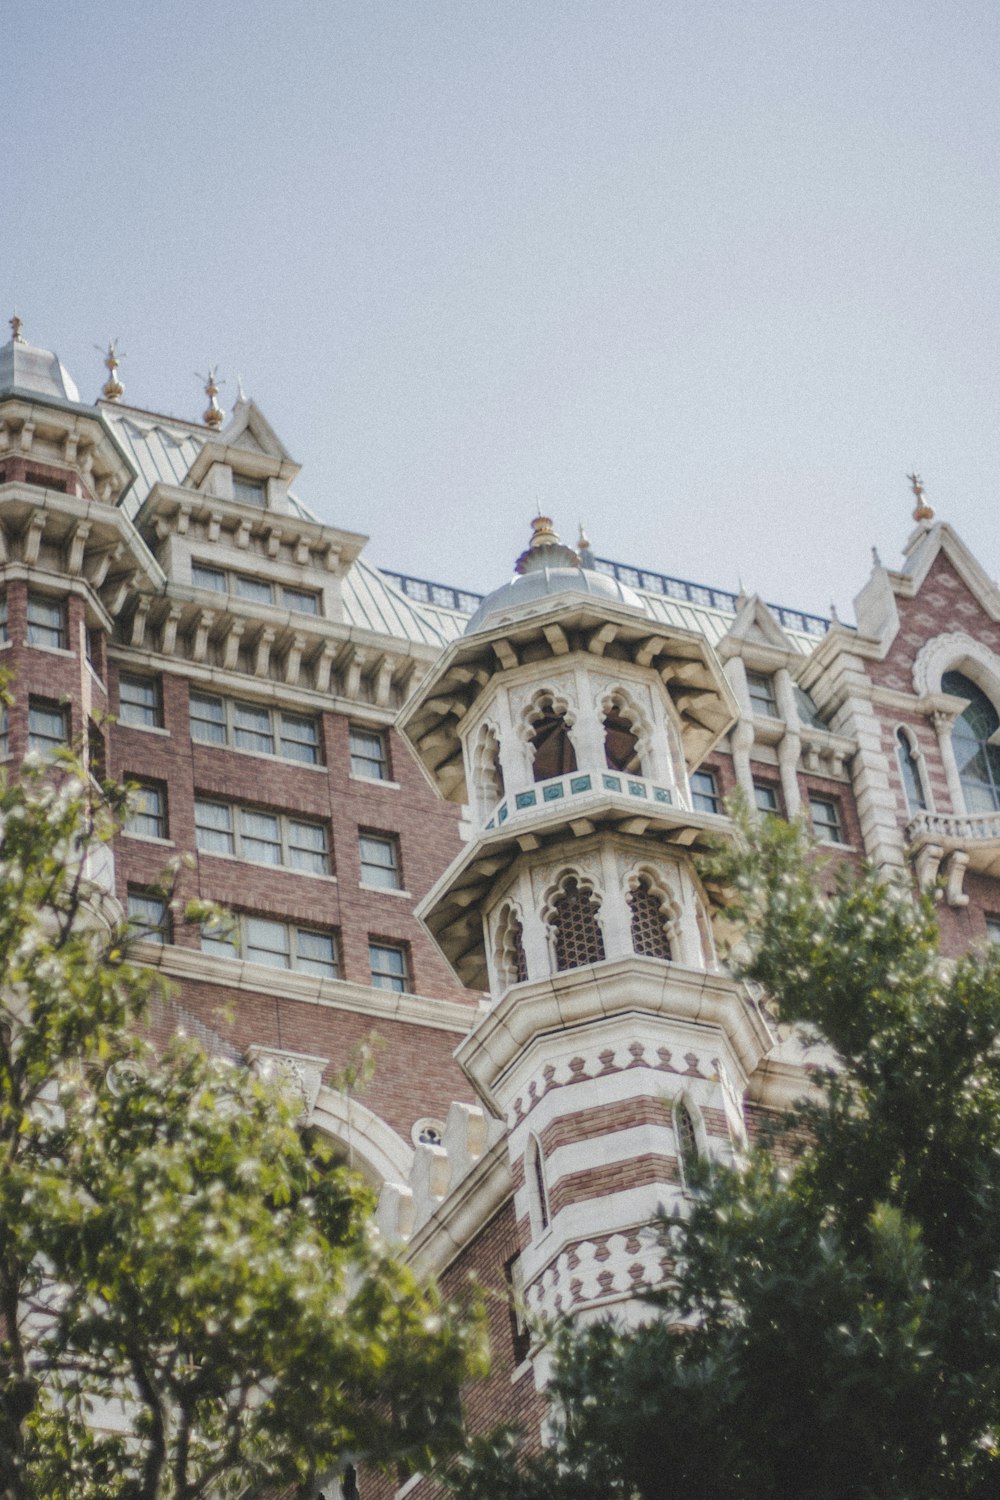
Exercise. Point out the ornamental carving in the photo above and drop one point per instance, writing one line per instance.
(945, 652)
(295, 1073)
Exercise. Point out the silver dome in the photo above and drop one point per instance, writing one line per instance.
(542, 584)
(25, 368)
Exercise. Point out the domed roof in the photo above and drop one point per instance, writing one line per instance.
(25, 368)
(545, 570)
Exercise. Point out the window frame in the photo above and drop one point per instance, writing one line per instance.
(4, 619)
(821, 830)
(699, 798)
(770, 790)
(280, 720)
(160, 817)
(152, 932)
(60, 631)
(387, 945)
(41, 704)
(125, 705)
(763, 701)
(286, 823)
(358, 758)
(394, 866)
(236, 584)
(236, 940)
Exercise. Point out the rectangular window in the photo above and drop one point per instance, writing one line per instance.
(4, 731)
(380, 861)
(248, 491)
(302, 600)
(762, 698)
(276, 945)
(4, 633)
(705, 792)
(46, 621)
(147, 815)
(204, 577)
(369, 754)
(389, 967)
(765, 797)
(147, 916)
(139, 703)
(263, 731)
(48, 725)
(825, 814)
(256, 589)
(263, 838)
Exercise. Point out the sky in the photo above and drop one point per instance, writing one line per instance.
(709, 278)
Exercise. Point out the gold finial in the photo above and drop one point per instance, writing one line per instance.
(542, 534)
(15, 328)
(213, 416)
(921, 511)
(112, 389)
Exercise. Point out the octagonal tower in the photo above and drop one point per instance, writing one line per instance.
(614, 1049)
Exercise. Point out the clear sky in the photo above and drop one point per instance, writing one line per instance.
(708, 276)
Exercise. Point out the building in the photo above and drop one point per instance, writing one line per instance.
(468, 826)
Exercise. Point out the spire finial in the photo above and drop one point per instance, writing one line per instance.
(545, 550)
(213, 416)
(112, 389)
(921, 511)
(542, 534)
(15, 329)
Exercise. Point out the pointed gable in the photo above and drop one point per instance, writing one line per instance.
(756, 635)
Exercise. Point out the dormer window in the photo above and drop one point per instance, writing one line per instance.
(249, 491)
(762, 696)
(256, 590)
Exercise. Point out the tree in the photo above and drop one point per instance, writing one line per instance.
(831, 1327)
(191, 1300)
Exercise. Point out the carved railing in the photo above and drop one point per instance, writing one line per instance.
(954, 826)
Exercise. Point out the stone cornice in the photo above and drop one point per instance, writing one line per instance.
(462, 1213)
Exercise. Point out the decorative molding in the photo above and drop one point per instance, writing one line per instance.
(945, 652)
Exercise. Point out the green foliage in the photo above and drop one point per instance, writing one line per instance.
(191, 1300)
(832, 1327)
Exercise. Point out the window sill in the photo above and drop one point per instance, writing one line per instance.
(385, 890)
(143, 728)
(238, 859)
(50, 650)
(281, 760)
(147, 838)
(375, 781)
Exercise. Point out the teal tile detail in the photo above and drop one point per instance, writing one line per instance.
(491, 824)
(552, 793)
(502, 816)
(525, 799)
(660, 794)
(613, 783)
(636, 789)
(580, 784)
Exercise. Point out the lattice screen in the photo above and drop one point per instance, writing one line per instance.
(649, 936)
(578, 936)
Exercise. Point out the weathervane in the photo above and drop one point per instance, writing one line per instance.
(921, 511)
(213, 416)
(112, 389)
(15, 328)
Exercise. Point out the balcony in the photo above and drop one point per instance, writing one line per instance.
(577, 784)
(952, 843)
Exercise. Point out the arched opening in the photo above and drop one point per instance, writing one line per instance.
(577, 935)
(552, 748)
(978, 761)
(649, 930)
(688, 1154)
(909, 769)
(512, 965)
(535, 1177)
(621, 741)
(487, 770)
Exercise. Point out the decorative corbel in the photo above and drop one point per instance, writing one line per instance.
(206, 619)
(231, 653)
(957, 865)
(274, 535)
(293, 659)
(122, 589)
(139, 620)
(170, 625)
(323, 665)
(926, 865)
(383, 681)
(33, 538)
(214, 525)
(242, 537)
(78, 541)
(262, 662)
(302, 551)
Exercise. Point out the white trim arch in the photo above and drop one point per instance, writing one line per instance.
(619, 697)
(372, 1147)
(671, 903)
(923, 774)
(588, 888)
(957, 652)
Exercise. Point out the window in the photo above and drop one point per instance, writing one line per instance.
(765, 797)
(147, 916)
(978, 760)
(762, 699)
(46, 621)
(577, 935)
(256, 590)
(97, 760)
(275, 945)
(390, 970)
(4, 731)
(535, 1175)
(380, 861)
(909, 769)
(808, 712)
(687, 1143)
(48, 725)
(4, 632)
(139, 703)
(621, 742)
(147, 814)
(249, 491)
(649, 932)
(705, 792)
(248, 726)
(264, 838)
(553, 752)
(369, 754)
(825, 814)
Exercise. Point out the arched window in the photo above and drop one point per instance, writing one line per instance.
(649, 933)
(621, 743)
(551, 745)
(578, 937)
(687, 1143)
(535, 1175)
(511, 962)
(978, 761)
(909, 769)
